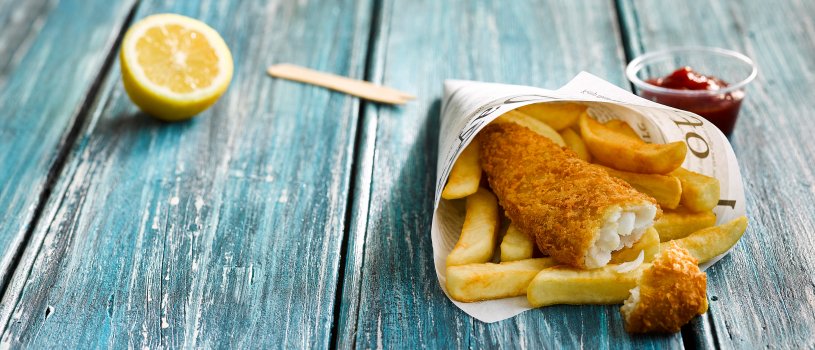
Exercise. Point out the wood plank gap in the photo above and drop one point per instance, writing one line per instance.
(360, 180)
(627, 13)
(686, 334)
(632, 46)
(355, 226)
(64, 149)
(713, 334)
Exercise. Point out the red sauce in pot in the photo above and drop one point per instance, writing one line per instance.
(720, 109)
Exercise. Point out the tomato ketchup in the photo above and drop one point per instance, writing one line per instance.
(721, 109)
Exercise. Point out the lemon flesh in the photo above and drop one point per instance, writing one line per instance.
(174, 67)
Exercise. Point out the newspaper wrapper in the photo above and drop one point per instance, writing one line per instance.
(469, 106)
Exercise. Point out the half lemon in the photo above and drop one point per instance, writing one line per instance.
(174, 67)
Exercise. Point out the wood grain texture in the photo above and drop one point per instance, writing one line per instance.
(763, 293)
(220, 232)
(44, 79)
(21, 22)
(390, 265)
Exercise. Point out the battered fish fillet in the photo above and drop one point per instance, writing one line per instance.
(668, 294)
(575, 211)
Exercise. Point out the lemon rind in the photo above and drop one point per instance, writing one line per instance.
(225, 63)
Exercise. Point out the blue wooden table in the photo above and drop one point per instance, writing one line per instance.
(289, 216)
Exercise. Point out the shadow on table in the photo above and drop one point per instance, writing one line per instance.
(132, 142)
(137, 121)
(412, 195)
(418, 177)
(412, 203)
(137, 126)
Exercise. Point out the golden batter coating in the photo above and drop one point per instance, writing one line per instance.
(668, 295)
(548, 192)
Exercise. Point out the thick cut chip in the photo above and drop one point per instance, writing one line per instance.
(711, 242)
(576, 144)
(623, 128)
(465, 176)
(699, 192)
(476, 282)
(479, 232)
(566, 285)
(558, 115)
(533, 124)
(626, 153)
(666, 189)
(679, 223)
(648, 244)
(516, 245)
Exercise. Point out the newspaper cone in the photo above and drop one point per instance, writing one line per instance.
(469, 106)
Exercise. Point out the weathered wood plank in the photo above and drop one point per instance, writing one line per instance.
(21, 22)
(50, 57)
(542, 43)
(763, 294)
(223, 231)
